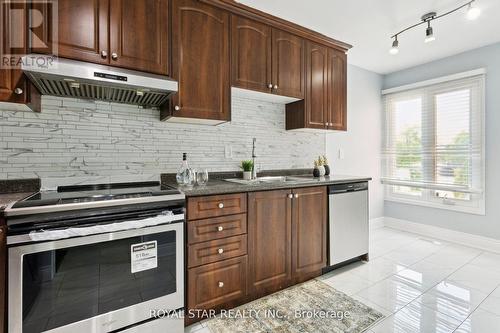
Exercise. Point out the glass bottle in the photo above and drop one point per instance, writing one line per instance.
(185, 176)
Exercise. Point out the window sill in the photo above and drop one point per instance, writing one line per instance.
(457, 208)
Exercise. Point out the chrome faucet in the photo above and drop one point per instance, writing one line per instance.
(254, 170)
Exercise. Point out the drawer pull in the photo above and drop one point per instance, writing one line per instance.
(220, 228)
(220, 251)
(221, 205)
(221, 284)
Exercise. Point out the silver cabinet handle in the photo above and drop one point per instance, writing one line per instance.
(330, 124)
(18, 91)
(221, 205)
(114, 56)
(270, 85)
(177, 108)
(275, 87)
(104, 54)
(220, 251)
(296, 195)
(220, 228)
(221, 284)
(290, 196)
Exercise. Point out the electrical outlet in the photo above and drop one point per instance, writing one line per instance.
(228, 151)
(340, 154)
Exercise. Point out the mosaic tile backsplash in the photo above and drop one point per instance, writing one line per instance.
(73, 137)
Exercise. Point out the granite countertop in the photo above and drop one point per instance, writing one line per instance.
(219, 186)
(7, 198)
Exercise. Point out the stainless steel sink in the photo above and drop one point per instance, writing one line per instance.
(271, 179)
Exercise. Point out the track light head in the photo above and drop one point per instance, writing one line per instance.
(473, 12)
(395, 47)
(429, 34)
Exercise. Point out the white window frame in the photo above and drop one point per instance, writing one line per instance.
(428, 198)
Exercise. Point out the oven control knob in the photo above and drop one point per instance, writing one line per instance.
(221, 251)
(221, 284)
(220, 228)
(221, 205)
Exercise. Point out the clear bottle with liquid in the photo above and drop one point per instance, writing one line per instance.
(185, 175)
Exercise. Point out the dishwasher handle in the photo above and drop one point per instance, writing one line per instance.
(348, 187)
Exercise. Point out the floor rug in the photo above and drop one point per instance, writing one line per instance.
(310, 307)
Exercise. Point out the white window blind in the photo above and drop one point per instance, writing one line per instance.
(433, 147)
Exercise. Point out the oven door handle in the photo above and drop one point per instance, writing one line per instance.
(54, 235)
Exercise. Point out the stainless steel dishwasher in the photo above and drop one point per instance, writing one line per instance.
(348, 222)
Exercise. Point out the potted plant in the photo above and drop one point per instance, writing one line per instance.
(316, 170)
(247, 167)
(321, 167)
(326, 165)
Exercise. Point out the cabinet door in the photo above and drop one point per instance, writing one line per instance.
(138, 34)
(337, 90)
(251, 54)
(309, 221)
(217, 285)
(288, 64)
(200, 60)
(316, 86)
(12, 82)
(82, 29)
(269, 241)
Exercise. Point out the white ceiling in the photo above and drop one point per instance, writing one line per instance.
(368, 25)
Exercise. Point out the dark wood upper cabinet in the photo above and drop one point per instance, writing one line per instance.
(269, 241)
(200, 61)
(82, 30)
(266, 59)
(309, 221)
(250, 54)
(288, 64)
(14, 86)
(337, 90)
(316, 86)
(12, 83)
(123, 33)
(325, 103)
(139, 35)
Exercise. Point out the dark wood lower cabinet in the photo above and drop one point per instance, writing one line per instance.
(284, 244)
(270, 240)
(309, 221)
(215, 285)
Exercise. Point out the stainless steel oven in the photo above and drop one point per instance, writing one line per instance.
(86, 284)
(102, 276)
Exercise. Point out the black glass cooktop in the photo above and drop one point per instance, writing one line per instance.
(95, 192)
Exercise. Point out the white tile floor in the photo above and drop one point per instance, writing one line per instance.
(422, 285)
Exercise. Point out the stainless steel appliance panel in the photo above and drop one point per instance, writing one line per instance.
(348, 222)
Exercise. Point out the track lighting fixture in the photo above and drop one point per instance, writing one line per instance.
(395, 46)
(472, 13)
(429, 33)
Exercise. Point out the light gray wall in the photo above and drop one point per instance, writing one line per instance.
(361, 143)
(486, 57)
(72, 137)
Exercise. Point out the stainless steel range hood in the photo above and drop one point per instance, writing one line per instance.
(69, 78)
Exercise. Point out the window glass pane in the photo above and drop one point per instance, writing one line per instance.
(408, 143)
(453, 141)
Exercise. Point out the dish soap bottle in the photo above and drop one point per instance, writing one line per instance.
(185, 175)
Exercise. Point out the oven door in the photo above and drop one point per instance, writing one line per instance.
(91, 283)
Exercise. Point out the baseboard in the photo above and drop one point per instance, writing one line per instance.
(462, 238)
(376, 223)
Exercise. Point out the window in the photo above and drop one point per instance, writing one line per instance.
(433, 152)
